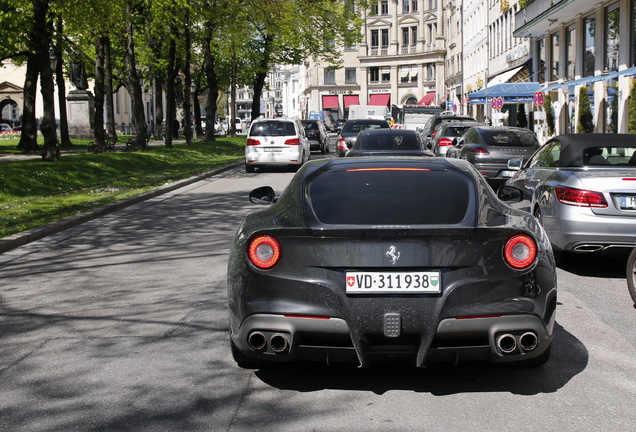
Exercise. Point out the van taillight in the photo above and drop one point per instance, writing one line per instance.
(520, 251)
(264, 252)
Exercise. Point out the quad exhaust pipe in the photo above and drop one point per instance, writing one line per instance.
(256, 340)
(508, 343)
(278, 342)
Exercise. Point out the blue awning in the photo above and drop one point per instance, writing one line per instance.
(510, 92)
(592, 79)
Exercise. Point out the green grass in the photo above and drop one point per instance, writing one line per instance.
(33, 193)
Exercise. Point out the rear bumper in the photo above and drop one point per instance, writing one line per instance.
(579, 230)
(329, 340)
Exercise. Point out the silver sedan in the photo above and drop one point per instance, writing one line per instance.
(582, 188)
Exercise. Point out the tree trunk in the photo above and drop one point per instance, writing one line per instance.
(108, 90)
(65, 139)
(98, 114)
(187, 92)
(51, 149)
(261, 75)
(213, 86)
(171, 115)
(29, 137)
(134, 87)
(158, 101)
(232, 118)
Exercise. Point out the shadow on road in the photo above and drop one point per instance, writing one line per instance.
(569, 358)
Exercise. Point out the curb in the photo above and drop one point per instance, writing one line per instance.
(33, 234)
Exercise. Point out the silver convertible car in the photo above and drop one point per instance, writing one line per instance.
(582, 188)
(368, 259)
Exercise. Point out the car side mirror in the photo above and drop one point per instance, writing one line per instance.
(263, 195)
(509, 194)
(515, 164)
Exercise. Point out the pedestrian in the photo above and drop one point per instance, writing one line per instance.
(163, 131)
(175, 128)
(487, 121)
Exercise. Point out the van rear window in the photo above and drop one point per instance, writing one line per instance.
(390, 196)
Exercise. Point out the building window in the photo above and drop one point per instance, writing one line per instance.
(406, 34)
(555, 53)
(432, 4)
(542, 58)
(430, 71)
(330, 76)
(385, 38)
(406, 6)
(375, 39)
(374, 74)
(570, 53)
(414, 5)
(350, 76)
(589, 54)
(384, 7)
(612, 29)
(386, 74)
(374, 9)
(413, 36)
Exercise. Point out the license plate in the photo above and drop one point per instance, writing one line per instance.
(272, 149)
(393, 282)
(508, 173)
(628, 202)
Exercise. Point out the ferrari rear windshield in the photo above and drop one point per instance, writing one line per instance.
(390, 196)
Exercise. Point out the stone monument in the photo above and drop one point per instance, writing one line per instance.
(80, 105)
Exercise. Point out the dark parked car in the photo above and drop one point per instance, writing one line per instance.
(352, 128)
(445, 117)
(446, 133)
(317, 135)
(582, 187)
(365, 259)
(389, 142)
(490, 147)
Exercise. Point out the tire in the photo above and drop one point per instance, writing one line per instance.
(249, 168)
(631, 275)
(242, 360)
(323, 148)
(327, 146)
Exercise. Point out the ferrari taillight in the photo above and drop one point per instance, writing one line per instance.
(520, 251)
(580, 197)
(264, 252)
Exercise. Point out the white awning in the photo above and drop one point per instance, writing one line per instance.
(504, 76)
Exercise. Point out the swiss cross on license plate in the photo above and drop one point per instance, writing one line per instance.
(628, 202)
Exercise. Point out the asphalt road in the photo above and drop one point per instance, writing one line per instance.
(120, 324)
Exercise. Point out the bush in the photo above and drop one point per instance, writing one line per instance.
(549, 114)
(631, 116)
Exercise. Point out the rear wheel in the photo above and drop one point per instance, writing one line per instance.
(249, 168)
(631, 275)
(242, 360)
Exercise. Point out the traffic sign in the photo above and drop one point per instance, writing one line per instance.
(497, 103)
(539, 99)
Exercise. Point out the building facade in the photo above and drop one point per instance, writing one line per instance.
(587, 44)
(399, 60)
